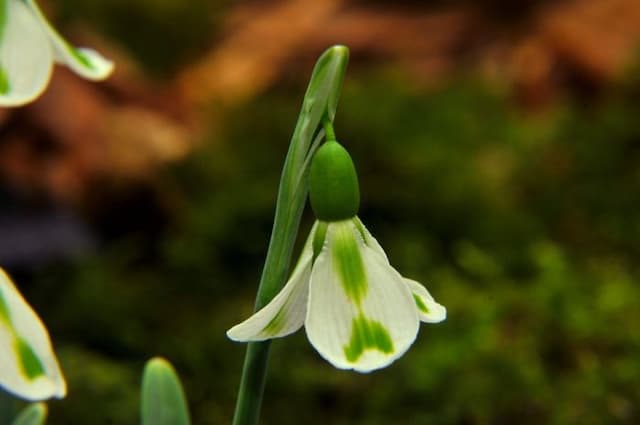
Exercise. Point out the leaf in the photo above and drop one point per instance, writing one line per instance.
(34, 414)
(163, 400)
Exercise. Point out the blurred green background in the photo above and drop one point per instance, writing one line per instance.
(516, 202)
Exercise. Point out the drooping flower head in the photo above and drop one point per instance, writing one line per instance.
(28, 366)
(29, 46)
(359, 313)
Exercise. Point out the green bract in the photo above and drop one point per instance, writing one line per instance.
(333, 183)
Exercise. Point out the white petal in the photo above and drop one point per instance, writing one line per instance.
(31, 372)
(358, 319)
(369, 240)
(430, 311)
(285, 313)
(85, 62)
(26, 57)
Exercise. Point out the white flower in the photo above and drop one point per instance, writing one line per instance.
(359, 313)
(29, 45)
(28, 366)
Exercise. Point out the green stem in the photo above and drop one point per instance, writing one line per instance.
(320, 100)
(328, 129)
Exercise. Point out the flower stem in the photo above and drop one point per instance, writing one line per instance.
(321, 100)
(328, 129)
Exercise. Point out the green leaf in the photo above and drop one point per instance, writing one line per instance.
(34, 414)
(163, 400)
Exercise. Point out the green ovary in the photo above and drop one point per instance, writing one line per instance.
(366, 335)
(29, 362)
(421, 305)
(348, 262)
(333, 183)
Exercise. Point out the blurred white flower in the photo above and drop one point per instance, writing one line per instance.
(28, 366)
(29, 46)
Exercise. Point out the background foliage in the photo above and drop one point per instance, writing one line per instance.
(524, 223)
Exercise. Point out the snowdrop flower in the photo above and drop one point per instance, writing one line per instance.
(29, 45)
(28, 367)
(359, 313)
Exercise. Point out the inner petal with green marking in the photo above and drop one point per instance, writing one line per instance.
(348, 261)
(29, 362)
(277, 323)
(80, 56)
(4, 311)
(421, 305)
(5, 85)
(366, 335)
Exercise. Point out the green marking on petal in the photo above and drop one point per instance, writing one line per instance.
(81, 57)
(5, 86)
(29, 361)
(4, 311)
(318, 238)
(421, 305)
(277, 323)
(349, 266)
(367, 335)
